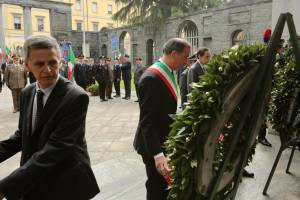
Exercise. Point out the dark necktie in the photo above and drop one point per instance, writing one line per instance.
(39, 108)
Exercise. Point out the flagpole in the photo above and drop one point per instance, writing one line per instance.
(83, 29)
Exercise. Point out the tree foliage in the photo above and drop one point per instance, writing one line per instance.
(140, 12)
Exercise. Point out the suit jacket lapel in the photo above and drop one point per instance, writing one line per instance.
(28, 108)
(51, 103)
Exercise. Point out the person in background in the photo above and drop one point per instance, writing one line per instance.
(183, 81)
(139, 70)
(3, 67)
(110, 81)
(79, 73)
(117, 77)
(101, 75)
(16, 80)
(63, 70)
(198, 68)
(126, 76)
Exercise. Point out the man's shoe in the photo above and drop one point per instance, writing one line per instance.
(127, 98)
(136, 101)
(117, 96)
(109, 97)
(102, 100)
(15, 110)
(265, 142)
(247, 174)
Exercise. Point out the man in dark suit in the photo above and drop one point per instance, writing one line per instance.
(80, 73)
(126, 76)
(101, 75)
(117, 77)
(198, 68)
(157, 100)
(138, 72)
(51, 134)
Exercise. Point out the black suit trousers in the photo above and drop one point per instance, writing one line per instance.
(102, 88)
(156, 184)
(127, 84)
(117, 87)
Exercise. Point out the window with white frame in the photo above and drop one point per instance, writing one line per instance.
(78, 4)
(17, 22)
(95, 26)
(40, 24)
(94, 7)
(79, 25)
(109, 9)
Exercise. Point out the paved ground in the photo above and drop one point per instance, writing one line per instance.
(120, 172)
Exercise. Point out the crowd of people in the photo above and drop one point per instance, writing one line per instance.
(108, 75)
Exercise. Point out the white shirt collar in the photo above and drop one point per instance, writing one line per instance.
(47, 91)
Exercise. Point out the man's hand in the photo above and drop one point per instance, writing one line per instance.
(162, 166)
(1, 196)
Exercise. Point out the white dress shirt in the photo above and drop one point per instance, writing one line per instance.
(47, 91)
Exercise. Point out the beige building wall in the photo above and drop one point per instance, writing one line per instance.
(14, 34)
(13, 37)
(97, 14)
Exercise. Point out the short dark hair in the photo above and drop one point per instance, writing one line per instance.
(202, 51)
(40, 42)
(175, 44)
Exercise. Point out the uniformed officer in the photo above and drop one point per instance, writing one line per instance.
(110, 79)
(79, 73)
(138, 72)
(101, 75)
(16, 80)
(126, 76)
(117, 76)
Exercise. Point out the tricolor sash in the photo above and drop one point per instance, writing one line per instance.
(162, 71)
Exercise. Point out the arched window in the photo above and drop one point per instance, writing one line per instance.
(125, 43)
(238, 37)
(189, 31)
(150, 52)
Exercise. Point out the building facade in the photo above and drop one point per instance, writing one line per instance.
(59, 18)
(218, 29)
(93, 15)
(20, 19)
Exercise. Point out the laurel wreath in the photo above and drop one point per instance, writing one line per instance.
(189, 133)
(285, 101)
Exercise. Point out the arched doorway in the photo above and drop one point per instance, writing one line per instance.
(104, 50)
(189, 31)
(125, 43)
(150, 52)
(238, 37)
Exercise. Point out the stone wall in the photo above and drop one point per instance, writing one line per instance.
(215, 28)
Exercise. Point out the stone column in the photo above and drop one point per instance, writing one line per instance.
(2, 32)
(27, 21)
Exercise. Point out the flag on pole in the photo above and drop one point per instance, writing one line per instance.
(0, 53)
(72, 56)
(8, 52)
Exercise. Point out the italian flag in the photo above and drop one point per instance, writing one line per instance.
(71, 63)
(7, 53)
